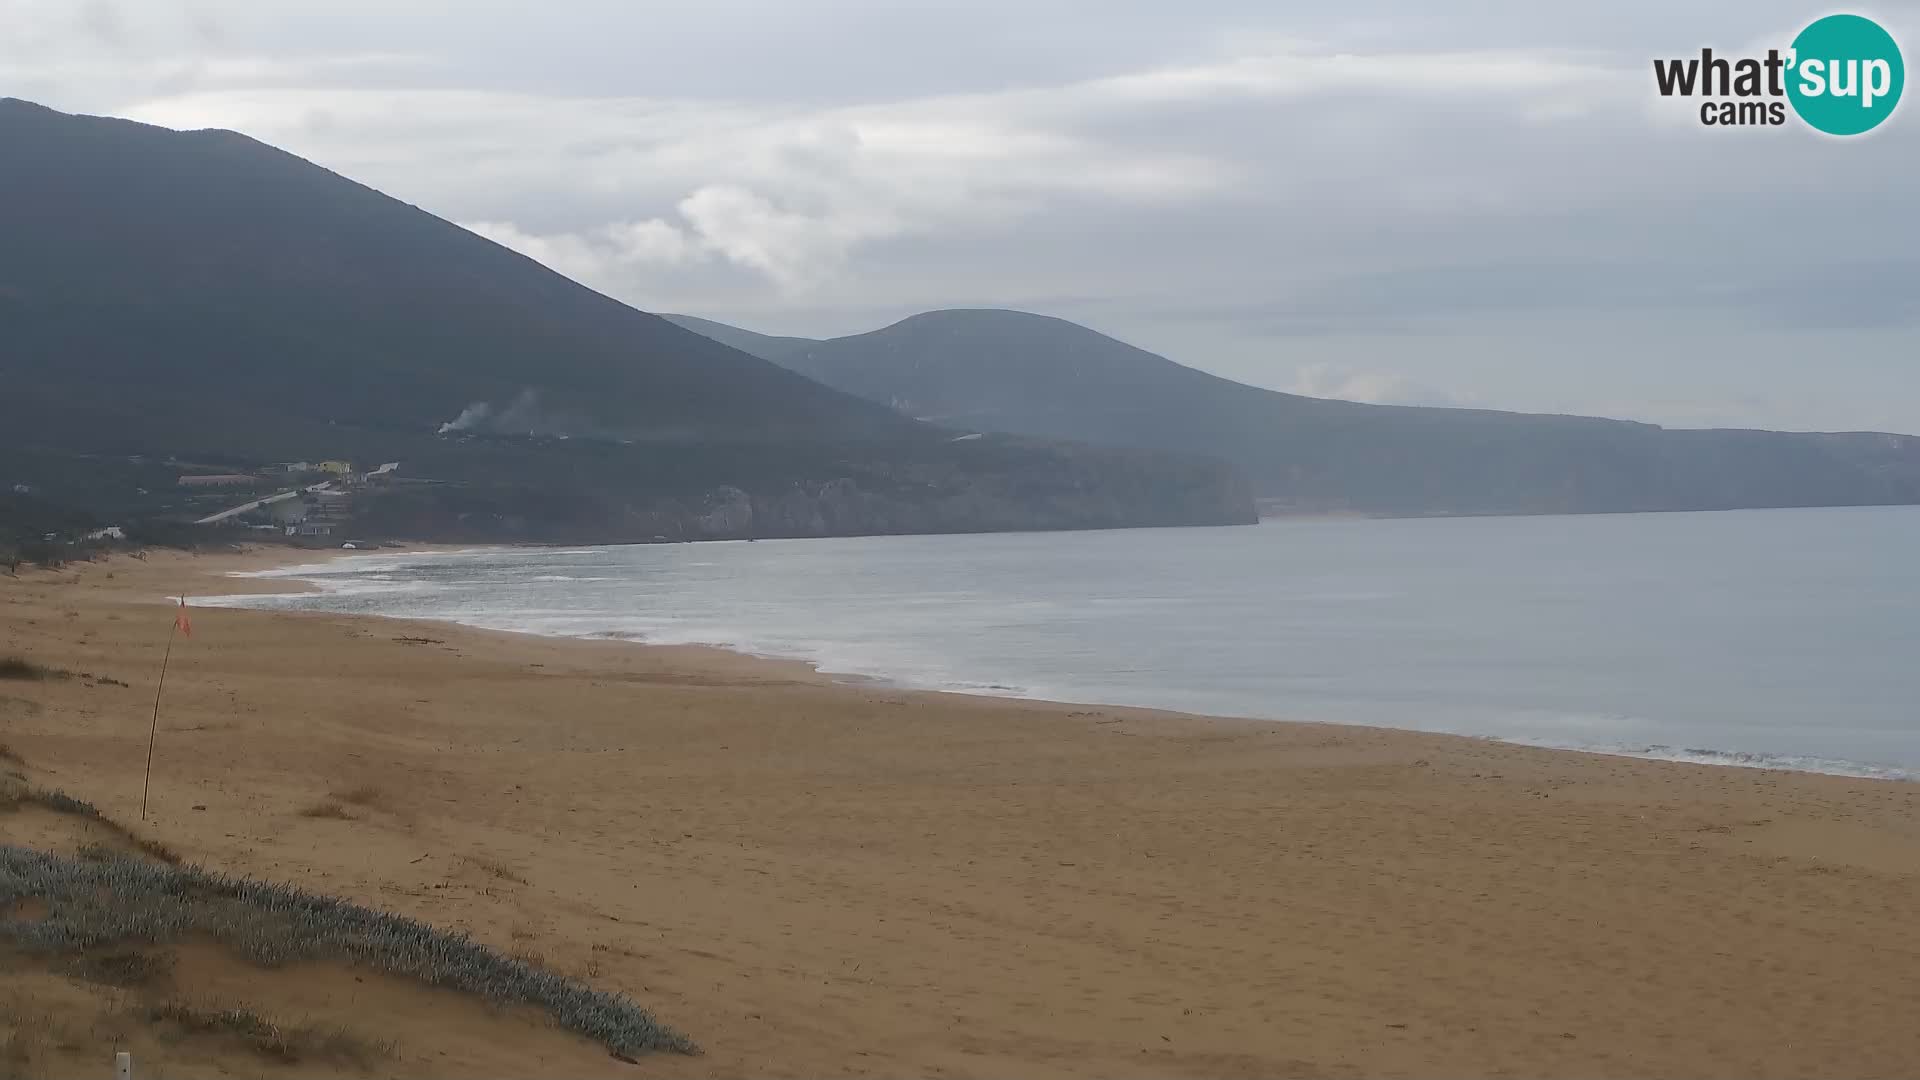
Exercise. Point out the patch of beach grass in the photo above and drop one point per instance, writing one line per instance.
(153, 848)
(62, 803)
(493, 867)
(281, 1042)
(19, 667)
(329, 810)
(361, 795)
(124, 903)
(124, 968)
(17, 1054)
(14, 795)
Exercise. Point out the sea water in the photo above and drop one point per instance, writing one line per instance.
(1784, 638)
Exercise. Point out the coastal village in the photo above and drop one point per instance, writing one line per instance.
(173, 502)
(312, 503)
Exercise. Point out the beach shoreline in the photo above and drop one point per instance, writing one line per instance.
(815, 877)
(277, 576)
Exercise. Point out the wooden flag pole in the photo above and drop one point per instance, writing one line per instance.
(153, 729)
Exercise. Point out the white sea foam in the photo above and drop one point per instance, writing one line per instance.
(1865, 770)
(303, 570)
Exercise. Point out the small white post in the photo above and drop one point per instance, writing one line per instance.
(123, 1066)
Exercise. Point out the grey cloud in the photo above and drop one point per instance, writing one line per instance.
(1474, 202)
(101, 18)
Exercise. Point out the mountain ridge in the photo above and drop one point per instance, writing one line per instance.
(202, 296)
(1042, 376)
(102, 232)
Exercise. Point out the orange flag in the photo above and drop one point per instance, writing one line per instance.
(181, 622)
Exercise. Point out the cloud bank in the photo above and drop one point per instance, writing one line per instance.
(1358, 199)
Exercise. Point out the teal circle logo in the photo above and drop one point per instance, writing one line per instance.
(1846, 75)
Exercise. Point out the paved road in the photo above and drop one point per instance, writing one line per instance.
(215, 519)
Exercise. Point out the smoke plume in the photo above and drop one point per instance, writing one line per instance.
(468, 418)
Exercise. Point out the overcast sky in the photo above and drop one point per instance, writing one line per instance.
(1354, 198)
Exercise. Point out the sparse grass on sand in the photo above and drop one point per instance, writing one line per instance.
(19, 667)
(16, 1054)
(14, 794)
(57, 801)
(494, 868)
(125, 968)
(363, 795)
(36, 1032)
(286, 1043)
(328, 809)
(22, 669)
(120, 903)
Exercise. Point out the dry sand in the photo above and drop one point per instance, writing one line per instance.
(816, 879)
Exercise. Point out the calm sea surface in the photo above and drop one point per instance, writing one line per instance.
(1787, 638)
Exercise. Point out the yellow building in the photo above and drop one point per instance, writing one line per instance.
(337, 468)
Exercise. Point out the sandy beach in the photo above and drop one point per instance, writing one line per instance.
(820, 879)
